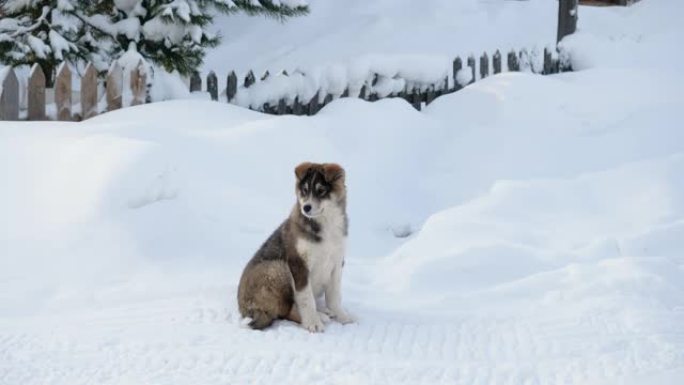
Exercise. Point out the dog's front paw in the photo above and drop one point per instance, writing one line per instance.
(314, 324)
(343, 317)
(325, 316)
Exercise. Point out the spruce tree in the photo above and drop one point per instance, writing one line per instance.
(40, 31)
(171, 33)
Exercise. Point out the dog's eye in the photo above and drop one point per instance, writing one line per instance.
(321, 191)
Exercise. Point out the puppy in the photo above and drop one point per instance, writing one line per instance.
(303, 258)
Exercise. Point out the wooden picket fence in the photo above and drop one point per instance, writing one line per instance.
(415, 93)
(89, 96)
(417, 96)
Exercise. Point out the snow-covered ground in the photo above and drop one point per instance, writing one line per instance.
(545, 223)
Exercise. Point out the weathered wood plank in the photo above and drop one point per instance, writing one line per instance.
(63, 92)
(114, 87)
(139, 84)
(457, 67)
(496, 62)
(484, 65)
(195, 82)
(89, 92)
(231, 86)
(36, 94)
(282, 107)
(416, 98)
(363, 92)
(249, 79)
(430, 95)
(513, 62)
(297, 108)
(471, 64)
(212, 85)
(313, 105)
(9, 97)
(524, 62)
(547, 61)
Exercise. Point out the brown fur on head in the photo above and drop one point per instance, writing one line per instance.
(333, 172)
(317, 182)
(302, 169)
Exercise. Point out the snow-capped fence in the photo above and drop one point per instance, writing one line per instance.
(89, 103)
(417, 81)
(301, 94)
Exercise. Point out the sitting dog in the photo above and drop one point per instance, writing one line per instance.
(303, 258)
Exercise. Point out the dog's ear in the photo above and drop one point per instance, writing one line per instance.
(333, 173)
(301, 170)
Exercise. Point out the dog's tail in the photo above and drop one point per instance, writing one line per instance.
(260, 319)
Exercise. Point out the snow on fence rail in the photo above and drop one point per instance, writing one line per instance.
(89, 105)
(418, 81)
(302, 94)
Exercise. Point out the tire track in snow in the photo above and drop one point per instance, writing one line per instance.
(203, 342)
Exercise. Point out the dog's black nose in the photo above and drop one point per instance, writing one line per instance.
(307, 208)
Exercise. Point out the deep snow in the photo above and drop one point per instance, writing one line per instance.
(545, 223)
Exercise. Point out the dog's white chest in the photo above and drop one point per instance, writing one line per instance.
(322, 257)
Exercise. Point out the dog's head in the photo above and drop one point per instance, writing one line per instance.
(319, 185)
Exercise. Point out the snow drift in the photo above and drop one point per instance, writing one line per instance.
(525, 230)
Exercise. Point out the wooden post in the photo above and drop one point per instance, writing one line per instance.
(231, 86)
(513, 62)
(484, 65)
(114, 87)
(139, 84)
(249, 79)
(89, 92)
(471, 64)
(63, 92)
(195, 82)
(36, 94)
(212, 85)
(496, 62)
(567, 18)
(458, 65)
(9, 97)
